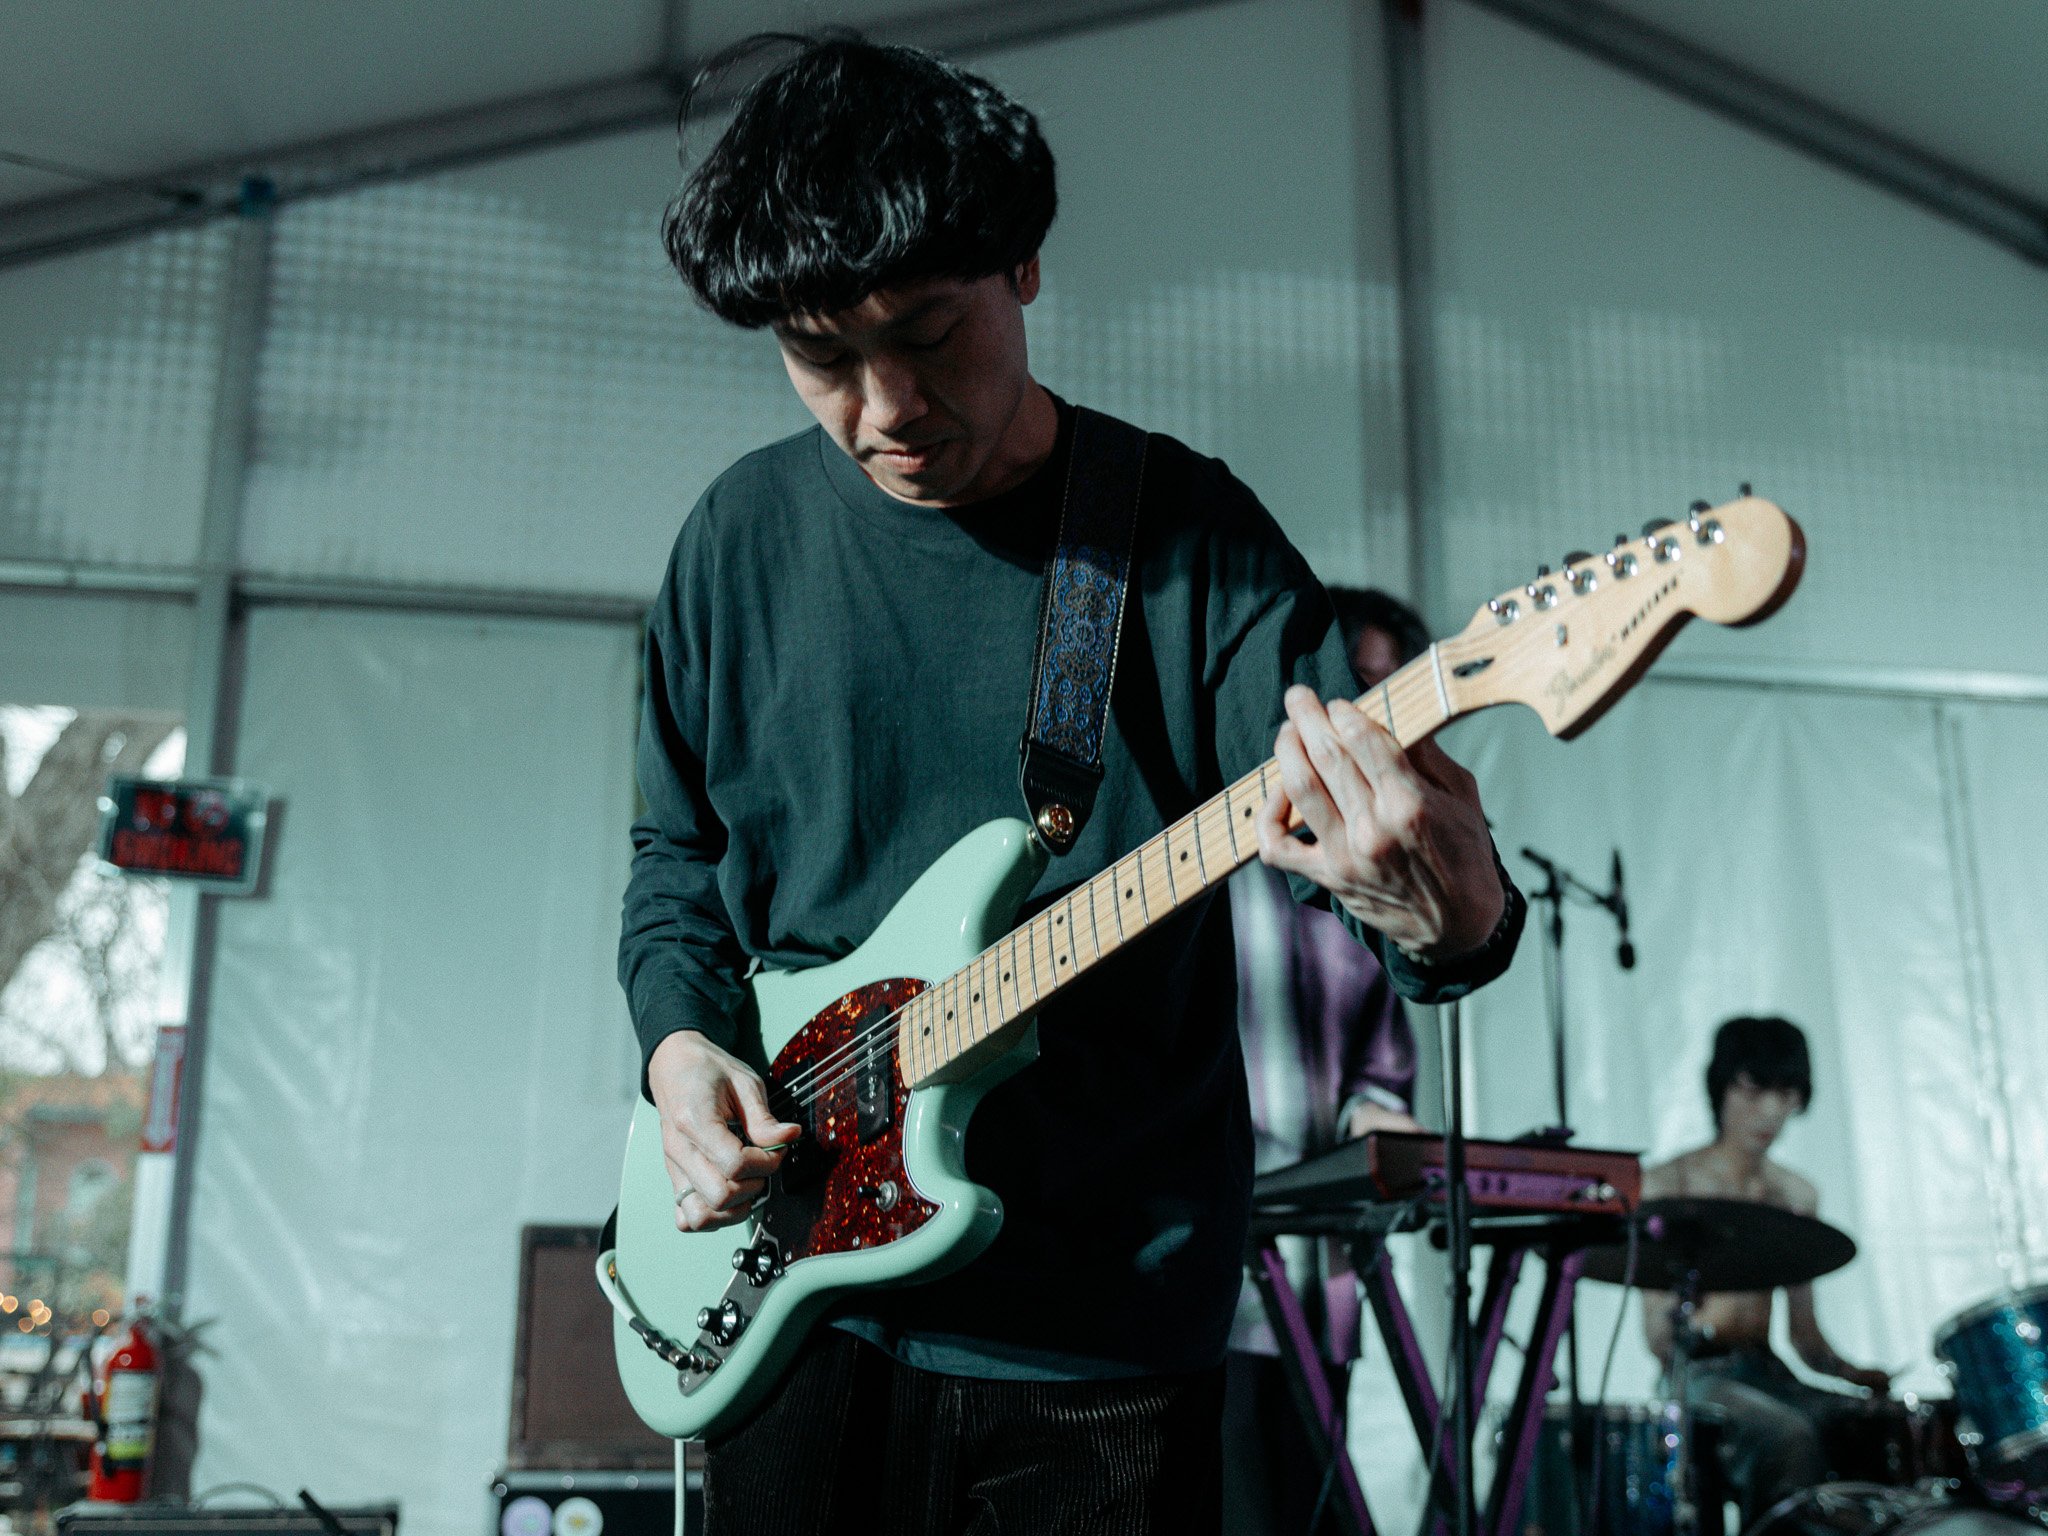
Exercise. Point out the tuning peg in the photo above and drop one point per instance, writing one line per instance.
(1700, 506)
(1576, 556)
(1651, 528)
(1542, 571)
(1744, 487)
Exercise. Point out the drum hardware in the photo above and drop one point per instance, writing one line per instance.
(1694, 1247)
(1872, 1509)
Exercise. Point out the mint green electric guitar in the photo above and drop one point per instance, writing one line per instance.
(882, 1056)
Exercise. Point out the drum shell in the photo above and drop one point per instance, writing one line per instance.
(1997, 1355)
(1893, 1441)
(1638, 1469)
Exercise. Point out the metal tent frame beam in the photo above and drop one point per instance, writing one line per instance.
(1940, 186)
(648, 98)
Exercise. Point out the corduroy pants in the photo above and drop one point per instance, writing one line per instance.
(855, 1444)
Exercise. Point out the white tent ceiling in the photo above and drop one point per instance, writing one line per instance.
(150, 89)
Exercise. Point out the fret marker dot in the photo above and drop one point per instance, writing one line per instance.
(1183, 858)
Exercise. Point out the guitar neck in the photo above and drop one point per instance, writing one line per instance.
(1011, 979)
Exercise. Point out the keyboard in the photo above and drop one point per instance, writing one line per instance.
(1397, 1166)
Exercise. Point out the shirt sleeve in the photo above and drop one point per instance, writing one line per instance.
(1382, 1060)
(680, 960)
(1271, 626)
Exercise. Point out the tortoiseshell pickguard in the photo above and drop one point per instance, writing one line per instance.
(815, 1202)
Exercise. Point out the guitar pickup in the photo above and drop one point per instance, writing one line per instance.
(874, 1095)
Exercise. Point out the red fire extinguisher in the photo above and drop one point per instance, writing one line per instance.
(127, 1420)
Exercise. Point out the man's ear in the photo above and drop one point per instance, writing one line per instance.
(1024, 281)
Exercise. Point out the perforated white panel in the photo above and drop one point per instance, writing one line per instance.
(1211, 274)
(107, 369)
(493, 379)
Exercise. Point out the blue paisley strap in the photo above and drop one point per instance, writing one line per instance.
(1080, 622)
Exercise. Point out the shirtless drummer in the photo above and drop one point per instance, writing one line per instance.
(1759, 1078)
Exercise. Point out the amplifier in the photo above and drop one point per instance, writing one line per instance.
(629, 1503)
(238, 1520)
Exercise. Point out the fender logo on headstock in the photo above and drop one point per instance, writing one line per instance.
(1564, 682)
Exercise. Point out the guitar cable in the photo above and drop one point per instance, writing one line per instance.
(1595, 1505)
(682, 1357)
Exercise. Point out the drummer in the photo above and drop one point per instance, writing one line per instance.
(1759, 1078)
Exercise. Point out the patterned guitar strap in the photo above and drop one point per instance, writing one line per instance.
(1080, 626)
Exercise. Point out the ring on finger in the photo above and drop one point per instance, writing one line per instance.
(684, 1193)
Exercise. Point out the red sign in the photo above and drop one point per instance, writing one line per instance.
(208, 831)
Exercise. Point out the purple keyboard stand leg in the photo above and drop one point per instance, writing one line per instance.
(1525, 1419)
(1303, 1363)
(1411, 1370)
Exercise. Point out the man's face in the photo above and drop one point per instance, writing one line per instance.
(919, 384)
(1375, 656)
(1753, 1117)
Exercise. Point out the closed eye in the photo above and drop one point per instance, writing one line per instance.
(935, 343)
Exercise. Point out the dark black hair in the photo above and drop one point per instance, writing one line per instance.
(854, 166)
(1363, 608)
(1769, 1050)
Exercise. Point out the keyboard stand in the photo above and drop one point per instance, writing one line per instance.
(1558, 1240)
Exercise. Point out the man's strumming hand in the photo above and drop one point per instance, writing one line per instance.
(718, 1136)
(1401, 840)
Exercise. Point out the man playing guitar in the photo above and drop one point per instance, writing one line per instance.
(836, 672)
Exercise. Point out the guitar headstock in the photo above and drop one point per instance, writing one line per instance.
(1569, 644)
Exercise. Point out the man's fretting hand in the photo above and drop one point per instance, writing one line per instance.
(702, 1092)
(1401, 840)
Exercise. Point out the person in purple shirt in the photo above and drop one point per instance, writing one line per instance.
(1328, 1055)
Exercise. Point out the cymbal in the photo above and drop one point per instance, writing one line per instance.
(1731, 1245)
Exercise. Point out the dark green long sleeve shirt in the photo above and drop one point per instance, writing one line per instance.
(836, 685)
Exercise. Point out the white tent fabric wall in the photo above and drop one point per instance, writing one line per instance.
(94, 652)
(417, 1044)
(1643, 303)
(1999, 752)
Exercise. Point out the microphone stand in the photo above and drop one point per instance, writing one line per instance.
(1560, 886)
(1458, 1222)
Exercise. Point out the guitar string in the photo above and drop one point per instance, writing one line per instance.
(810, 1085)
